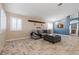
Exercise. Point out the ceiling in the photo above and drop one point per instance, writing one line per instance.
(48, 11)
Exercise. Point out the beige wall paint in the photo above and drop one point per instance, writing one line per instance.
(26, 26)
(2, 33)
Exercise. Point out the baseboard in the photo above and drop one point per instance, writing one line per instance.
(20, 38)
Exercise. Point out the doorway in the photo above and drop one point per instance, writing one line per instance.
(74, 27)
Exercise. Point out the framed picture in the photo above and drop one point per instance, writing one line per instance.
(60, 25)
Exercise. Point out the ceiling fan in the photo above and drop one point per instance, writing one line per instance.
(60, 4)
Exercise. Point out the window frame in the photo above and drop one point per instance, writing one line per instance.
(16, 24)
(2, 20)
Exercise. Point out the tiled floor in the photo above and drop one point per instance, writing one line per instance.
(69, 45)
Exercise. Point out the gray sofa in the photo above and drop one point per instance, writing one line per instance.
(52, 39)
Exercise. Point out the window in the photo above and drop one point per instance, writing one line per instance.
(15, 24)
(2, 20)
(49, 25)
